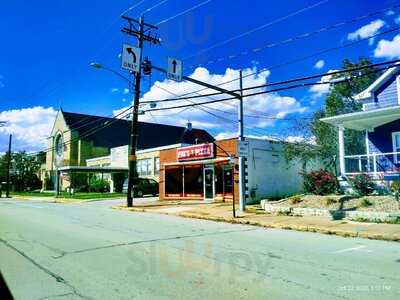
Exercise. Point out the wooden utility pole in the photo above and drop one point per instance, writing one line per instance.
(8, 167)
(142, 34)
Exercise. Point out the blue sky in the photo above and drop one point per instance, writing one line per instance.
(47, 47)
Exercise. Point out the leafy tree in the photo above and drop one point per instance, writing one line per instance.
(338, 101)
(24, 169)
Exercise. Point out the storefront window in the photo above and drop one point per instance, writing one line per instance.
(219, 180)
(223, 179)
(193, 180)
(144, 167)
(174, 181)
(156, 165)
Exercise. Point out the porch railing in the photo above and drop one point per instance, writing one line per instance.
(375, 163)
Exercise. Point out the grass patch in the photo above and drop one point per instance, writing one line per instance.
(33, 194)
(379, 221)
(76, 196)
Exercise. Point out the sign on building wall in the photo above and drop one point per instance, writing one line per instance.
(195, 152)
(119, 157)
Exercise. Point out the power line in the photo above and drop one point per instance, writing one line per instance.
(183, 12)
(278, 82)
(296, 38)
(132, 7)
(153, 7)
(270, 23)
(301, 85)
(299, 59)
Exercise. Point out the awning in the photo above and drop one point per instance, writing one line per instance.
(365, 119)
(92, 169)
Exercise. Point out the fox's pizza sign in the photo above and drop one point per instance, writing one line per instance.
(195, 152)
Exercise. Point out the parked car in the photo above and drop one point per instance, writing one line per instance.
(142, 186)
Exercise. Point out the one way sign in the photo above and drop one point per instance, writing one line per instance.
(174, 69)
(130, 58)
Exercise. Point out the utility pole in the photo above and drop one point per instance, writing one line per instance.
(141, 36)
(242, 196)
(8, 167)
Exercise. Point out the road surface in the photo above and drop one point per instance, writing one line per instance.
(89, 251)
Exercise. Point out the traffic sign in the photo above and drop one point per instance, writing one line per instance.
(174, 70)
(131, 58)
(243, 148)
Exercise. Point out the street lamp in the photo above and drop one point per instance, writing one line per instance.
(97, 65)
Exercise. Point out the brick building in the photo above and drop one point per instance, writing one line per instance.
(206, 172)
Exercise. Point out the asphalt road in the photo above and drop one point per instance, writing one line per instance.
(73, 251)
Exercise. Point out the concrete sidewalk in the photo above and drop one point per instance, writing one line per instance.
(222, 212)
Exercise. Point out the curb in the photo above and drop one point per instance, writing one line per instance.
(303, 228)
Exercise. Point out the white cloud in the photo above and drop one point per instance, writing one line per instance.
(388, 49)
(226, 135)
(126, 91)
(30, 127)
(390, 13)
(114, 90)
(319, 64)
(397, 20)
(366, 31)
(300, 139)
(319, 90)
(272, 105)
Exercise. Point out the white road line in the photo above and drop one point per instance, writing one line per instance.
(358, 248)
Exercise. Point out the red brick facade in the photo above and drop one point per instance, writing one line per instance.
(223, 149)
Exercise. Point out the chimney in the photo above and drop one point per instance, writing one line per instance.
(189, 126)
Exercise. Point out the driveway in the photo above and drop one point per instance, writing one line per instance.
(89, 251)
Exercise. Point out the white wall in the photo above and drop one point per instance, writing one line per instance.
(119, 157)
(269, 174)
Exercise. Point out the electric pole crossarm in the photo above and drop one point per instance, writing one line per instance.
(205, 84)
(130, 20)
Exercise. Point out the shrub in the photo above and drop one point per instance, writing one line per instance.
(98, 185)
(48, 183)
(364, 202)
(295, 199)
(362, 184)
(395, 188)
(330, 201)
(320, 182)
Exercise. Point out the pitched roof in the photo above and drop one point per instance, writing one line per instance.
(381, 80)
(117, 132)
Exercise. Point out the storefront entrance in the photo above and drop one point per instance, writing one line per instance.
(209, 183)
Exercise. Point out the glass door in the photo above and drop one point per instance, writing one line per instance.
(209, 188)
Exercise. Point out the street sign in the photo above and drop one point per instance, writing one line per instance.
(243, 148)
(130, 58)
(174, 70)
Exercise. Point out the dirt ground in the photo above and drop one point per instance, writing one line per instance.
(335, 202)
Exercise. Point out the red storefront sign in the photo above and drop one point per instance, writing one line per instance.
(195, 152)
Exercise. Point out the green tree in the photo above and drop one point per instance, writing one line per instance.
(24, 169)
(339, 100)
